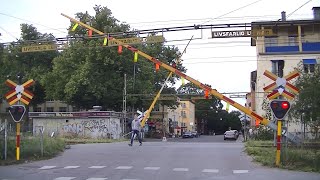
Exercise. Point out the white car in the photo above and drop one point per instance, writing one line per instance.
(230, 135)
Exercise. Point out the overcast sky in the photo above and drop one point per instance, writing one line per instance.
(225, 64)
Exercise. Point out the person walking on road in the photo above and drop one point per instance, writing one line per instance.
(135, 127)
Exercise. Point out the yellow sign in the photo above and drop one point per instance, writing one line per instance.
(262, 32)
(136, 40)
(46, 47)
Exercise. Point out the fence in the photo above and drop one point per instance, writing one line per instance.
(30, 145)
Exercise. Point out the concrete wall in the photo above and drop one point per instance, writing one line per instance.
(104, 127)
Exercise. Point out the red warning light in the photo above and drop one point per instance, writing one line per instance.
(285, 105)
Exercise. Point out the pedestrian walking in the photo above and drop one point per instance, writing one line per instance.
(135, 129)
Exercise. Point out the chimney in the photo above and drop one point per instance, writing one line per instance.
(316, 13)
(283, 16)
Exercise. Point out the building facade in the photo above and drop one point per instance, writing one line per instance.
(289, 44)
(183, 117)
(48, 106)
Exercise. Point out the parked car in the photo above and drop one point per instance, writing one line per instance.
(236, 132)
(232, 134)
(187, 135)
(195, 134)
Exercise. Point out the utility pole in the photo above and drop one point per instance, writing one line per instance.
(124, 104)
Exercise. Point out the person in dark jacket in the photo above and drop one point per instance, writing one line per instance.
(135, 129)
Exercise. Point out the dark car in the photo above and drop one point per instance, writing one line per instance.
(187, 135)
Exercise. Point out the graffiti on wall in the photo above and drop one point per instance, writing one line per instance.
(96, 125)
(75, 128)
(94, 128)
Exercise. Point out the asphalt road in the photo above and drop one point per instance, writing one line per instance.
(207, 158)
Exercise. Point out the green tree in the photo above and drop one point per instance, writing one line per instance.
(308, 100)
(88, 73)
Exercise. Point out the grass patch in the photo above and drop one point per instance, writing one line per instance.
(301, 159)
(30, 149)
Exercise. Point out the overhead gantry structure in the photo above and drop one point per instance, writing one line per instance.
(206, 88)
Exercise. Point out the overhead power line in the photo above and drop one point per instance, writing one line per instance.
(298, 8)
(4, 14)
(233, 11)
(8, 33)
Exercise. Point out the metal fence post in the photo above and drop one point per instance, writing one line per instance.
(5, 139)
(41, 140)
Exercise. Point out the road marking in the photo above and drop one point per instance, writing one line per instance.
(180, 169)
(47, 167)
(97, 167)
(124, 167)
(97, 178)
(240, 171)
(152, 168)
(64, 178)
(210, 170)
(71, 167)
(130, 179)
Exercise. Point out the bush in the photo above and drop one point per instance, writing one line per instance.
(263, 133)
(296, 159)
(30, 148)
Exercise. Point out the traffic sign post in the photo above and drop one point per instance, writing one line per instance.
(280, 107)
(17, 94)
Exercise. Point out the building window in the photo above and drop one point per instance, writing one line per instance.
(271, 41)
(183, 105)
(49, 109)
(62, 109)
(293, 41)
(309, 65)
(38, 109)
(156, 108)
(183, 114)
(277, 67)
(75, 109)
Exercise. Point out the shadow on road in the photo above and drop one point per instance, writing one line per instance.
(203, 138)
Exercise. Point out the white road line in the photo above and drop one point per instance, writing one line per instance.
(210, 170)
(130, 179)
(97, 167)
(180, 169)
(152, 168)
(64, 178)
(240, 171)
(124, 167)
(47, 167)
(71, 167)
(97, 178)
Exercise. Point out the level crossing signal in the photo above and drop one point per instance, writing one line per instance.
(17, 112)
(280, 108)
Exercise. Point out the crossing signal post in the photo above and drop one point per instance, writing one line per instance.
(18, 94)
(279, 109)
(17, 112)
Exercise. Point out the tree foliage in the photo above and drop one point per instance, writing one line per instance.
(87, 73)
(308, 99)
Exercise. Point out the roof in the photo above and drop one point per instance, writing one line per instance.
(285, 23)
